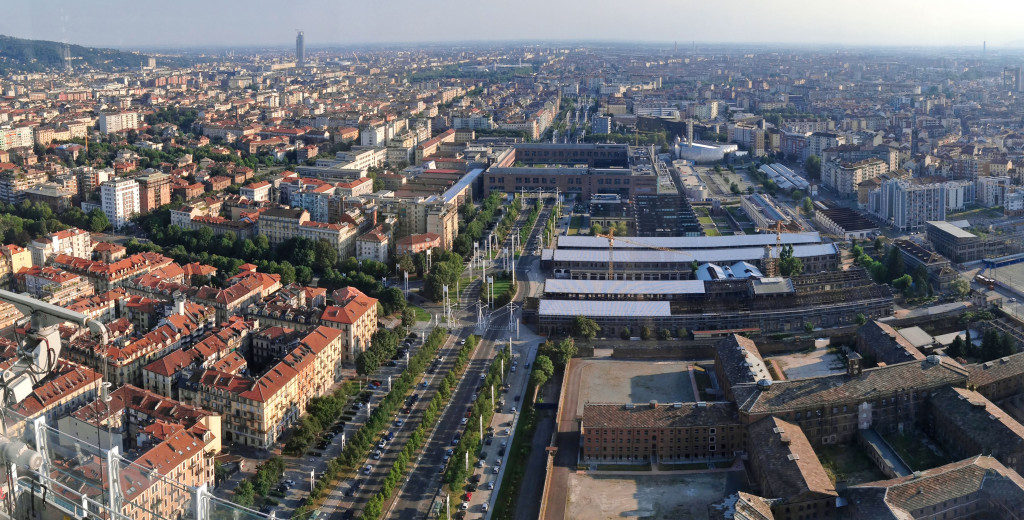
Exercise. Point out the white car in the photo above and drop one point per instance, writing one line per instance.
(367, 469)
(464, 421)
(484, 507)
(464, 506)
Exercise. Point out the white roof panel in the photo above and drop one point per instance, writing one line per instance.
(564, 286)
(719, 256)
(604, 308)
(719, 242)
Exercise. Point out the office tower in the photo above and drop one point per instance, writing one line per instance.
(300, 49)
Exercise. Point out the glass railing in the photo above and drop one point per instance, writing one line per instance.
(79, 470)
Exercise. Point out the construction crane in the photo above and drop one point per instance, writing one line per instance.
(772, 260)
(354, 55)
(611, 250)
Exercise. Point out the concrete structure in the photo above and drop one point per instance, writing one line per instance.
(110, 123)
(906, 204)
(961, 246)
(72, 242)
(120, 200)
(844, 177)
(154, 191)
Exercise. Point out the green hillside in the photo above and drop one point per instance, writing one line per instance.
(17, 54)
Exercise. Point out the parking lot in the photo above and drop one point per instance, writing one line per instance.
(605, 381)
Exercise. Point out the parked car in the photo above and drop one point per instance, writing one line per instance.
(490, 485)
(483, 507)
(367, 469)
(495, 470)
(399, 422)
(377, 454)
(464, 421)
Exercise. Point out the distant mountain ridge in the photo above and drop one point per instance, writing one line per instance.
(17, 54)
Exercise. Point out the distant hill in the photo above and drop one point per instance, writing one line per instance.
(17, 54)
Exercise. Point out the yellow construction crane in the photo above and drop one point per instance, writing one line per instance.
(611, 250)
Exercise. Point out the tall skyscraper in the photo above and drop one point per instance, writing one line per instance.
(300, 50)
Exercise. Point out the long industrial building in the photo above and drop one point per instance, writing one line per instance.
(765, 305)
(647, 264)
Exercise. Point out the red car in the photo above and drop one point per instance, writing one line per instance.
(469, 496)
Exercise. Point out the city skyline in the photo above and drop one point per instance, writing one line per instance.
(938, 24)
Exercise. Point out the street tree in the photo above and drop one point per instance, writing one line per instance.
(584, 328)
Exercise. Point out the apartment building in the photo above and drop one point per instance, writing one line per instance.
(280, 224)
(355, 314)
(430, 146)
(53, 285)
(123, 365)
(68, 387)
(257, 410)
(372, 245)
(257, 191)
(818, 142)
(72, 242)
(154, 191)
(120, 200)
(906, 204)
(13, 258)
(110, 123)
(105, 276)
(16, 137)
(844, 177)
(14, 184)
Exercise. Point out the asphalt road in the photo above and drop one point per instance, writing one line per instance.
(424, 481)
(337, 502)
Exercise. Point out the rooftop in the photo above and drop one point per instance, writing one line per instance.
(604, 308)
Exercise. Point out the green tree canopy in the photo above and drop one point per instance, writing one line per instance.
(585, 328)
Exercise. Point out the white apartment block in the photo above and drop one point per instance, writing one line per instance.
(119, 200)
(992, 190)
(118, 122)
(15, 137)
(74, 242)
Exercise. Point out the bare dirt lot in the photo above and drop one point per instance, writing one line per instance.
(605, 381)
(819, 362)
(668, 497)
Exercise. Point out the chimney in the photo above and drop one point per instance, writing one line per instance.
(853, 364)
(654, 404)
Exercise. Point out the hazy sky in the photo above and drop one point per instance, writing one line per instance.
(176, 23)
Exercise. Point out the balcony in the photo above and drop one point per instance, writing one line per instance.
(76, 478)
